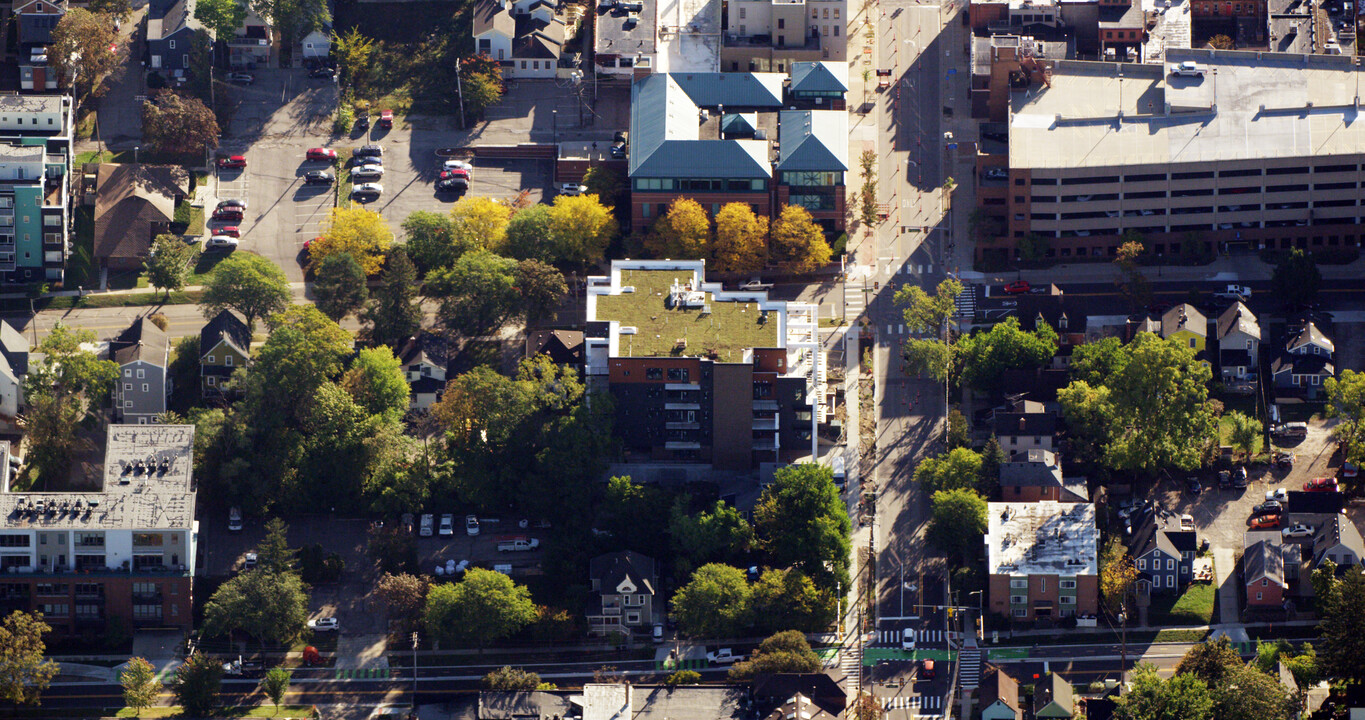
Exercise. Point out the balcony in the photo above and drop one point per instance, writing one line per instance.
(767, 41)
(147, 598)
(765, 423)
(611, 610)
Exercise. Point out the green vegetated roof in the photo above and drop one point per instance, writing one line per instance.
(729, 329)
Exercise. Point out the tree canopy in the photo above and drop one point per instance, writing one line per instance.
(786, 651)
(221, 17)
(1296, 278)
(1183, 697)
(1346, 404)
(176, 123)
(86, 49)
(478, 292)
(741, 244)
(250, 284)
(478, 221)
(714, 602)
(168, 265)
(581, 227)
(802, 522)
(1341, 609)
(355, 231)
(377, 383)
(196, 684)
(929, 314)
(957, 522)
(959, 469)
(796, 242)
(483, 607)
(683, 232)
(339, 287)
(394, 313)
(24, 672)
(985, 356)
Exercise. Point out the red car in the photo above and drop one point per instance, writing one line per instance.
(230, 231)
(1265, 521)
(1017, 287)
(232, 161)
(228, 214)
(453, 173)
(385, 119)
(1324, 484)
(322, 154)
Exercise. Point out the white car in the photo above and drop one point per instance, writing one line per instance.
(569, 188)
(368, 189)
(368, 172)
(1277, 494)
(908, 639)
(1189, 68)
(240, 77)
(424, 528)
(235, 519)
(249, 561)
(324, 624)
(458, 165)
(225, 242)
(447, 524)
(1297, 531)
(471, 525)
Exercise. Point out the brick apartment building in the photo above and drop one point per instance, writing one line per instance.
(1259, 150)
(1042, 559)
(126, 551)
(699, 374)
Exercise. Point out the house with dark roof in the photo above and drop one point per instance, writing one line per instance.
(1266, 563)
(998, 695)
(142, 353)
(134, 203)
(1239, 343)
(1163, 554)
(1036, 475)
(34, 21)
(617, 701)
(772, 690)
(1305, 363)
(1338, 539)
(1313, 508)
(224, 346)
(425, 359)
(1025, 426)
(170, 36)
(818, 85)
(800, 706)
(1053, 698)
(564, 347)
(525, 37)
(622, 585)
(719, 138)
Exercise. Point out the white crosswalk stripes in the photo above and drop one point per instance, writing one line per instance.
(893, 637)
(966, 302)
(851, 663)
(969, 674)
(914, 702)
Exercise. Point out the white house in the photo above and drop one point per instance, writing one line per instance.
(526, 37)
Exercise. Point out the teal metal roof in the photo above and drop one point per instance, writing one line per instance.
(739, 124)
(813, 140)
(664, 131)
(821, 77)
(737, 90)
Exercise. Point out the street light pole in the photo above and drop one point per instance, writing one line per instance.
(135, 149)
(414, 671)
(1123, 653)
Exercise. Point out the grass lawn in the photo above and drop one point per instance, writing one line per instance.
(344, 184)
(80, 266)
(286, 712)
(1194, 607)
(196, 226)
(1180, 636)
(129, 300)
(1225, 435)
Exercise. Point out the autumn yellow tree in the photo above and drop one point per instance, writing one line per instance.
(797, 242)
(741, 244)
(682, 233)
(359, 232)
(482, 222)
(581, 227)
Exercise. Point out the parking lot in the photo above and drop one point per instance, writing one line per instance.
(480, 550)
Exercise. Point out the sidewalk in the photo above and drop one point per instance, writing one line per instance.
(1229, 268)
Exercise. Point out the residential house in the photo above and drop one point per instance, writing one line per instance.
(425, 359)
(123, 552)
(1266, 562)
(1187, 325)
(564, 347)
(998, 695)
(134, 203)
(700, 374)
(170, 35)
(1164, 554)
(1026, 426)
(1338, 539)
(1306, 362)
(616, 701)
(1036, 475)
(1062, 314)
(526, 37)
(799, 705)
(1053, 699)
(34, 21)
(224, 346)
(1042, 559)
(14, 350)
(142, 353)
(249, 46)
(317, 44)
(35, 169)
(623, 587)
(1239, 343)
(771, 690)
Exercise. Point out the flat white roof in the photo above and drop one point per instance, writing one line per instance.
(1041, 538)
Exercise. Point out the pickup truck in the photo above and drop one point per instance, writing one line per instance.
(238, 668)
(1233, 292)
(723, 656)
(519, 544)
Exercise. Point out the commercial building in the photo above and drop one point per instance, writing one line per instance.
(1253, 149)
(126, 550)
(771, 35)
(700, 374)
(710, 137)
(1042, 559)
(35, 167)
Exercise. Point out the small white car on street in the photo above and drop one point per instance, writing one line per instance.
(571, 189)
(324, 624)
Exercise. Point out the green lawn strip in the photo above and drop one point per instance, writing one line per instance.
(286, 712)
(344, 185)
(179, 297)
(1225, 434)
(1193, 607)
(80, 265)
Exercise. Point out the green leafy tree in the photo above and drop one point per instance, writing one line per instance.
(1151, 413)
(959, 430)
(1096, 362)
(179, 123)
(603, 182)
(221, 17)
(304, 350)
(482, 90)
(275, 685)
(355, 55)
(992, 457)
(59, 392)
(788, 600)
(478, 293)
(249, 284)
(541, 288)
(24, 673)
(141, 688)
(377, 383)
(714, 603)
(784, 652)
(718, 534)
(339, 287)
(1304, 665)
(1249, 694)
(741, 244)
(1246, 432)
(801, 522)
(796, 242)
(1210, 660)
(483, 607)
(196, 685)
(114, 8)
(634, 514)
(1183, 697)
(683, 677)
(929, 314)
(404, 593)
(86, 50)
(480, 221)
(168, 265)
(1268, 654)
(273, 553)
(431, 240)
(581, 228)
(1296, 278)
(508, 678)
(1341, 609)
(529, 235)
(1131, 282)
(682, 233)
(959, 469)
(957, 522)
(394, 314)
(1346, 405)
(270, 606)
(294, 19)
(1118, 575)
(985, 356)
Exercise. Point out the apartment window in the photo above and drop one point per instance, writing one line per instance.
(1142, 563)
(1018, 583)
(1018, 599)
(1258, 596)
(741, 13)
(633, 618)
(1249, 172)
(826, 13)
(836, 13)
(1286, 171)
(127, 373)
(836, 31)
(1066, 600)
(1170, 564)
(227, 360)
(212, 381)
(1042, 584)
(1264, 582)
(50, 609)
(1067, 584)
(127, 387)
(523, 64)
(50, 589)
(781, 23)
(677, 375)
(1192, 340)
(146, 387)
(147, 612)
(146, 539)
(1020, 612)
(141, 374)
(1147, 177)
(172, 44)
(14, 541)
(89, 539)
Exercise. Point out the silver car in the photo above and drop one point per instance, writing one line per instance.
(368, 172)
(374, 189)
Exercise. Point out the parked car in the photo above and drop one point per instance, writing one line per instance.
(1284, 460)
(458, 165)
(406, 521)
(453, 185)
(385, 119)
(321, 71)
(1278, 494)
(658, 633)
(1239, 477)
(235, 519)
(1267, 508)
(221, 242)
(1325, 484)
(371, 190)
(240, 78)
(569, 188)
(230, 214)
(229, 230)
(1018, 287)
(368, 172)
(1265, 522)
(471, 525)
(369, 151)
(249, 561)
(1233, 292)
(453, 173)
(324, 624)
(232, 161)
(232, 202)
(366, 160)
(322, 154)
(518, 544)
(447, 524)
(1224, 479)
(1187, 522)
(1297, 531)
(723, 656)
(1189, 68)
(1193, 486)
(424, 526)
(1292, 430)
(318, 177)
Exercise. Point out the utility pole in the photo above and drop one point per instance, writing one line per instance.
(459, 92)
(414, 672)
